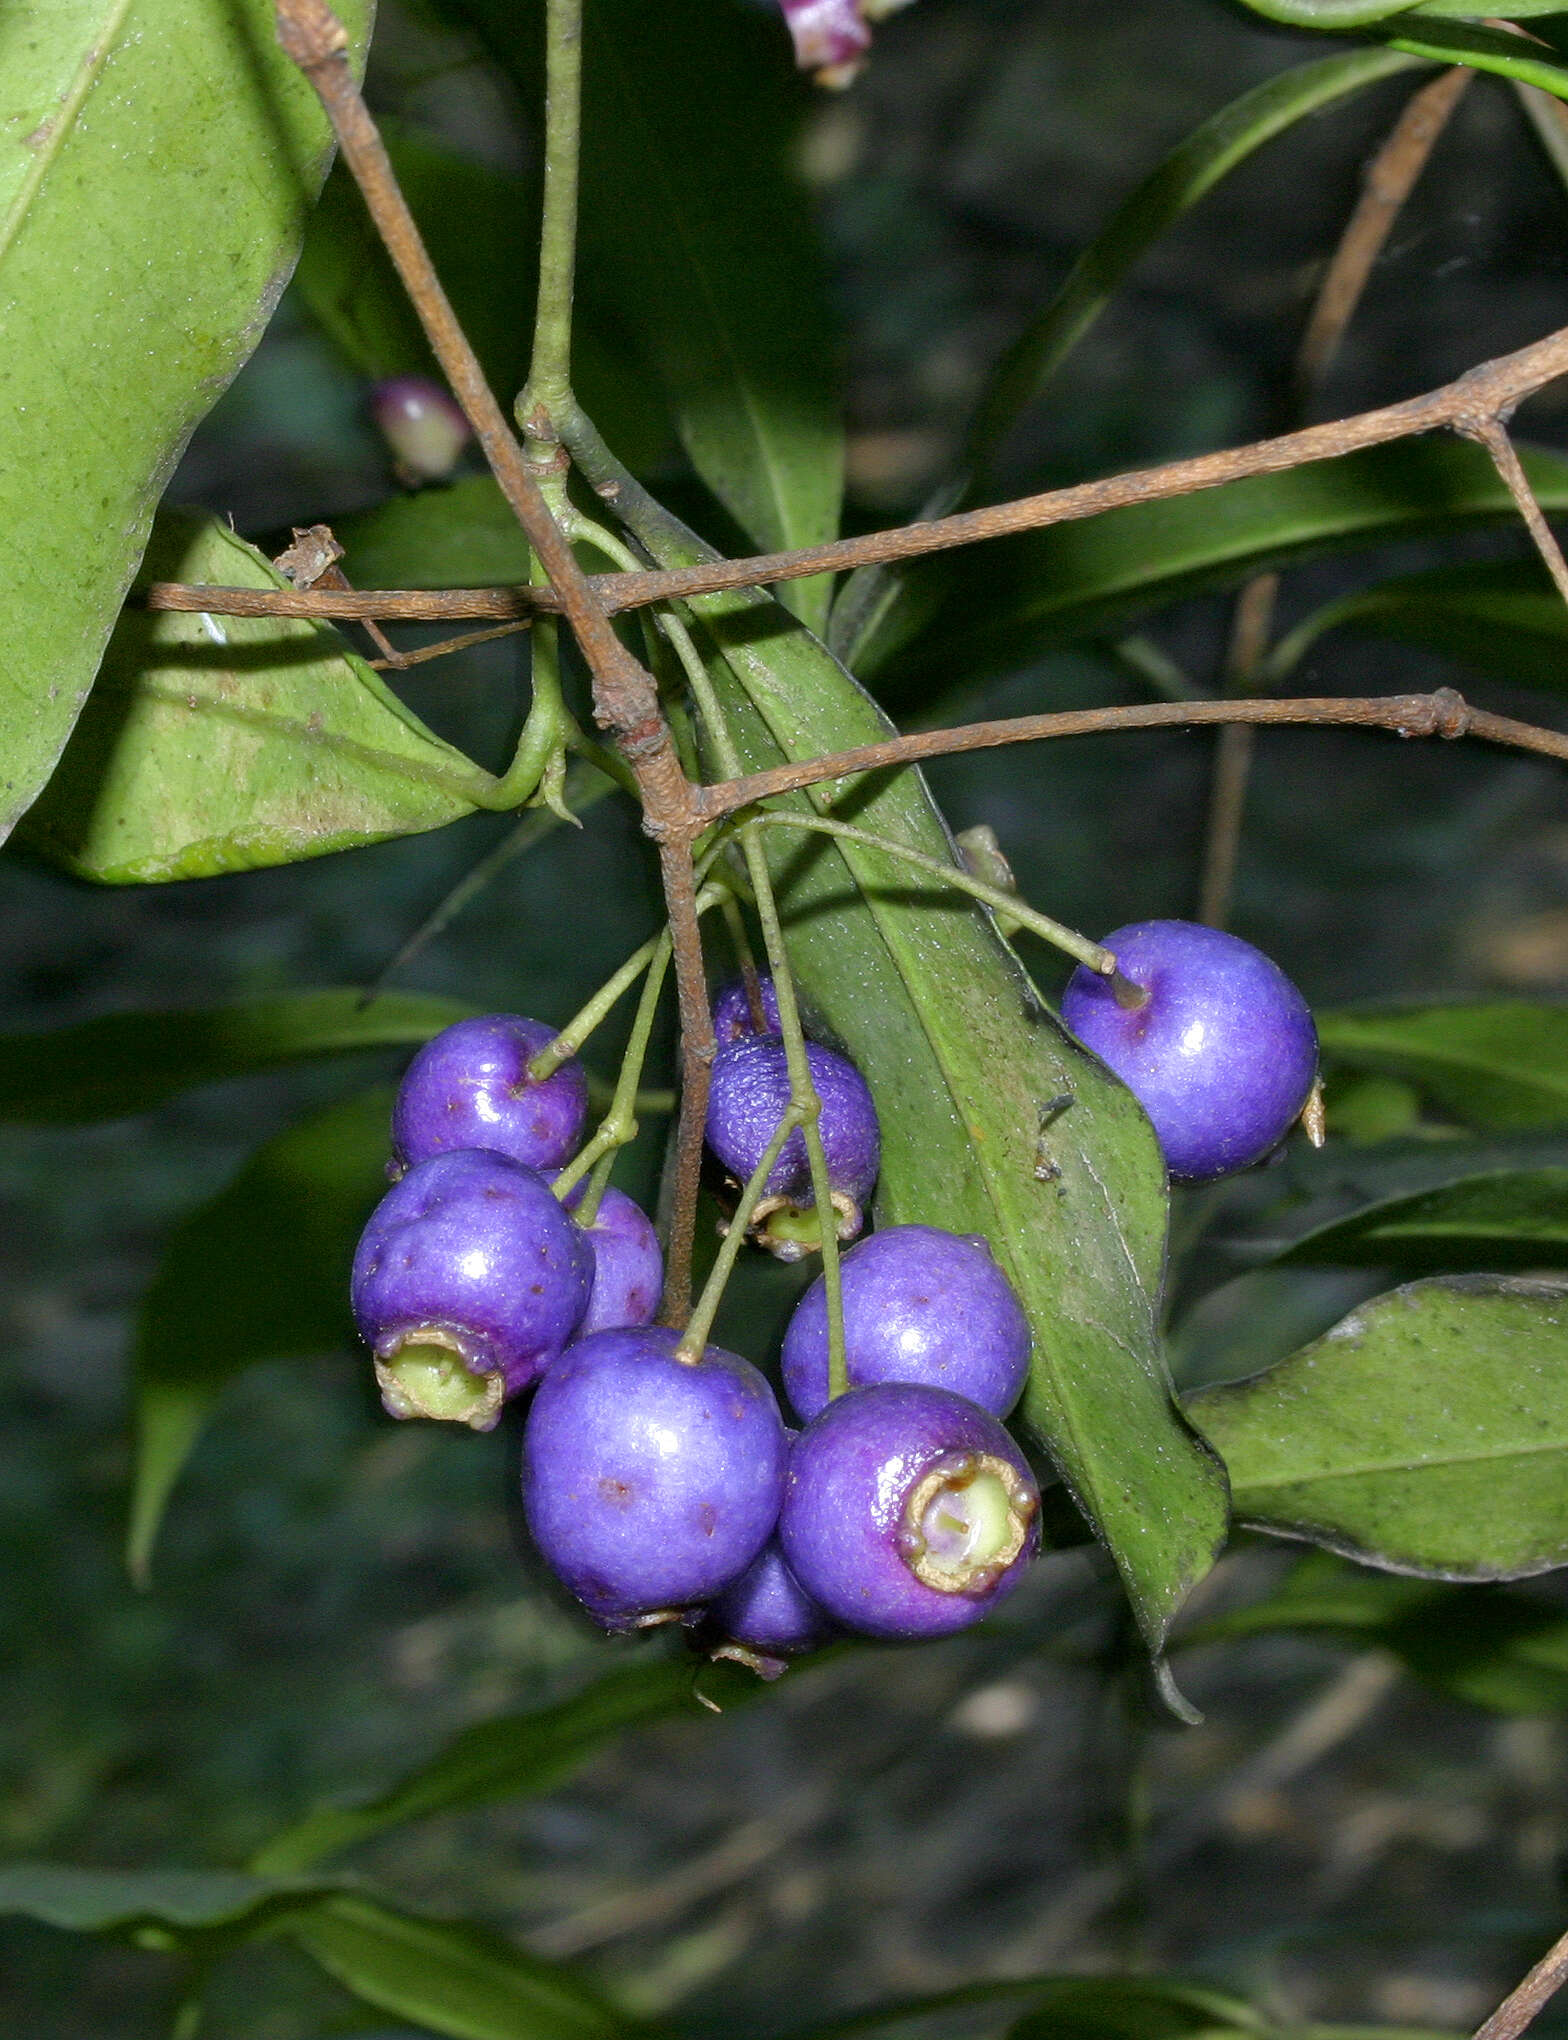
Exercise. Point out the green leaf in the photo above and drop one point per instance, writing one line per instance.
(1482, 49)
(1500, 1066)
(217, 744)
(129, 1062)
(258, 1273)
(157, 163)
(450, 1977)
(1503, 617)
(965, 1062)
(1338, 17)
(120, 1901)
(1131, 2008)
(999, 604)
(1502, 1218)
(697, 234)
(510, 1756)
(1483, 1645)
(869, 602)
(462, 537)
(480, 225)
(1427, 1432)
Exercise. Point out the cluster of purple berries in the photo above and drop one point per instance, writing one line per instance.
(661, 1483)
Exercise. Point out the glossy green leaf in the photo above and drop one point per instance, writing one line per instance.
(217, 744)
(462, 537)
(508, 1757)
(449, 1977)
(868, 605)
(1339, 17)
(157, 161)
(1427, 1432)
(480, 225)
(1500, 1065)
(1503, 1218)
(698, 236)
(965, 1063)
(258, 1273)
(1503, 617)
(1482, 49)
(998, 604)
(129, 1062)
(1486, 1646)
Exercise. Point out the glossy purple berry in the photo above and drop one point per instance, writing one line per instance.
(748, 1099)
(468, 1282)
(908, 1511)
(423, 425)
(469, 1087)
(650, 1482)
(920, 1304)
(628, 1264)
(766, 1617)
(1220, 1052)
(732, 1014)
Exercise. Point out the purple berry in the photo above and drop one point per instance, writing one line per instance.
(1221, 1053)
(919, 1305)
(469, 1087)
(651, 1482)
(830, 36)
(628, 1265)
(423, 426)
(766, 1616)
(732, 1014)
(908, 1511)
(468, 1282)
(749, 1096)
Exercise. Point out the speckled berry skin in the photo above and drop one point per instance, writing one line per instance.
(1221, 1056)
(920, 1304)
(628, 1265)
(475, 1246)
(732, 1011)
(649, 1484)
(469, 1088)
(767, 1611)
(748, 1099)
(852, 1472)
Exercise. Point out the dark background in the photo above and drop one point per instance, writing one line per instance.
(334, 1594)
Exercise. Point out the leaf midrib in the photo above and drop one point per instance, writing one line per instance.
(88, 71)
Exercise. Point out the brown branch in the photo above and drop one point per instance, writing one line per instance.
(1523, 2002)
(1443, 714)
(1492, 435)
(1388, 181)
(1493, 389)
(625, 699)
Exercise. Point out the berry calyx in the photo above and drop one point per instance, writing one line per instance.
(920, 1304)
(908, 1511)
(749, 1096)
(1209, 1035)
(469, 1087)
(651, 1482)
(422, 424)
(766, 1617)
(468, 1281)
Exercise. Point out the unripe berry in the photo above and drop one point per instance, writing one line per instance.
(908, 1511)
(1219, 1050)
(468, 1282)
(920, 1304)
(425, 429)
(469, 1087)
(650, 1482)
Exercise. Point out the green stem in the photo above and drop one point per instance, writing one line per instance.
(700, 1323)
(1079, 947)
(549, 384)
(544, 734)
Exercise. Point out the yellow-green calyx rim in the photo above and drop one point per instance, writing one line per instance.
(423, 1374)
(965, 1521)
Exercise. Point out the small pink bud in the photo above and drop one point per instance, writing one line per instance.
(421, 424)
(831, 38)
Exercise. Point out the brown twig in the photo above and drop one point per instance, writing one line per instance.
(1523, 2003)
(1494, 437)
(1389, 179)
(1442, 714)
(625, 698)
(1493, 389)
